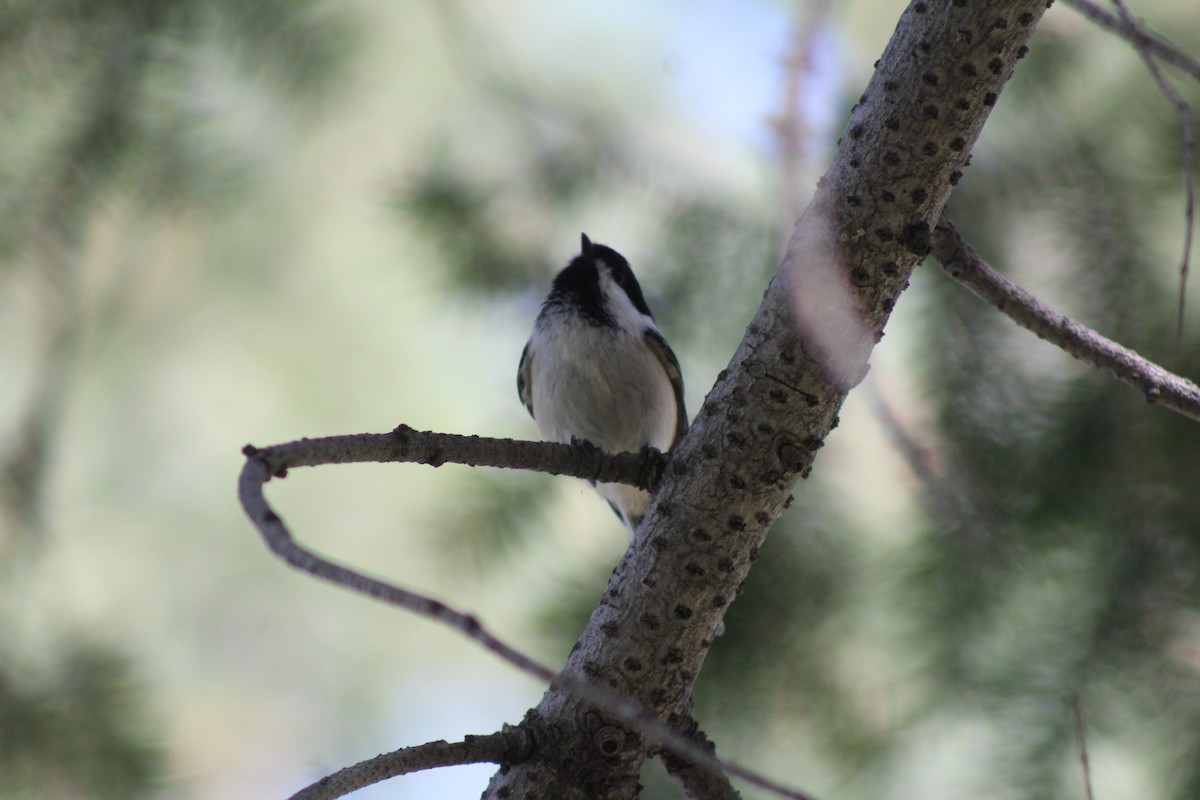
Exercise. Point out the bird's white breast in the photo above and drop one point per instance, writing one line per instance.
(600, 384)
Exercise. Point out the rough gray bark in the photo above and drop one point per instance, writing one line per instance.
(758, 432)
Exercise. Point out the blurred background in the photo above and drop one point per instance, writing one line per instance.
(226, 222)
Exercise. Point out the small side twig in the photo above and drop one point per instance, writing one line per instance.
(1189, 161)
(508, 746)
(952, 501)
(1164, 51)
(1081, 737)
(697, 781)
(1158, 385)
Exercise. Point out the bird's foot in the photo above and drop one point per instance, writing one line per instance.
(653, 462)
(587, 453)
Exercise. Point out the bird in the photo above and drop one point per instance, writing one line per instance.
(598, 371)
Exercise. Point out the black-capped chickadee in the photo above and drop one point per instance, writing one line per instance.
(597, 369)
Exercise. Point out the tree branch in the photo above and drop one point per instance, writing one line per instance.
(405, 444)
(758, 432)
(768, 414)
(508, 746)
(259, 467)
(1158, 385)
(1164, 51)
(699, 783)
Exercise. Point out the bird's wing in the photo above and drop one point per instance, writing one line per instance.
(666, 357)
(525, 378)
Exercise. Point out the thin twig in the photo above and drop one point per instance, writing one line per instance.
(951, 499)
(1158, 385)
(1189, 162)
(256, 473)
(793, 131)
(435, 449)
(1164, 51)
(1080, 736)
(508, 746)
(698, 782)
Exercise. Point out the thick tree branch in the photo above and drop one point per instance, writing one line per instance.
(508, 746)
(1164, 51)
(1158, 385)
(761, 425)
(771, 409)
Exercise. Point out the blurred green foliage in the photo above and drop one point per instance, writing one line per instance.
(75, 728)
(115, 99)
(108, 99)
(1051, 554)
(1070, 570)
